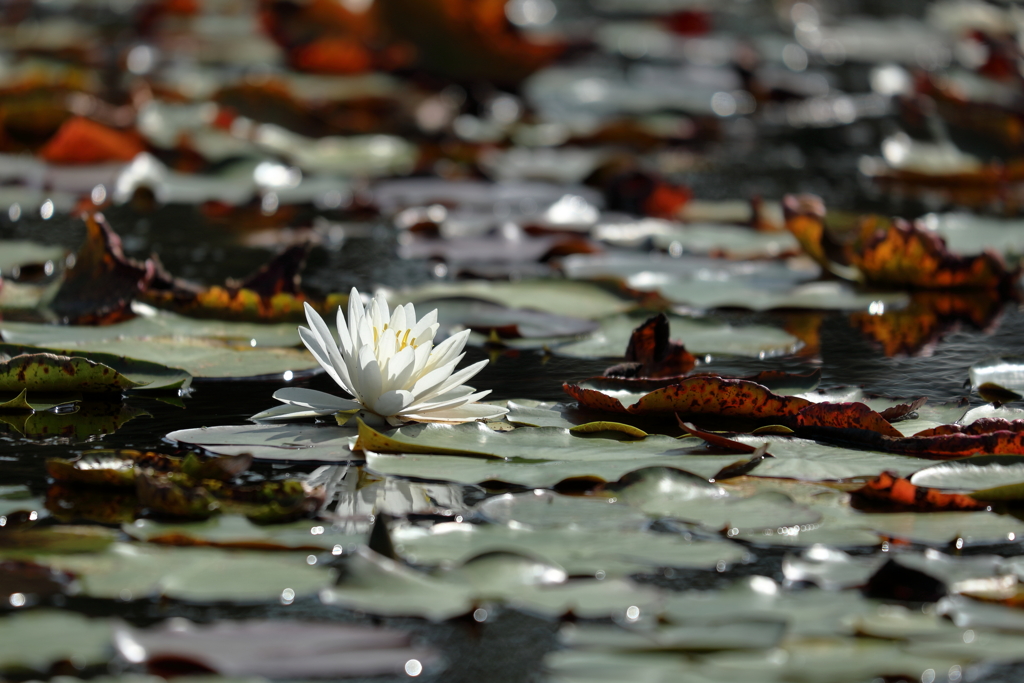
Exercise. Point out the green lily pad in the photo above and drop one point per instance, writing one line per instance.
(36, 639)
(21, 252)
(579, 552)
(151, 323)
(941, 528)
(275, 441)
(967, 475)
(237, 531)
(548, 510)
(531, 474)
(148, 376)
(48, 372)
(206, 575)
(381, 586)
(22, 542)
(17, 498)
(544, 414)
(202, 358)
(741, 634)
(39, 402)
(700, 336)
(561, 297)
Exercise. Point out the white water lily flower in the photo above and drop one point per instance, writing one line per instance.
(388, 363)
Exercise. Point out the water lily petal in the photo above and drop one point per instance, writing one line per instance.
(288, 412)
(355, 315)
(369, 382)
(399, 369)
(392, 402)
(344, 335)
(464, 413)
(426, 385)
(312, 343)
(398, 320)
(315, 400)
(319, 328)
(460, 377)
(448, 400)
(423, 325)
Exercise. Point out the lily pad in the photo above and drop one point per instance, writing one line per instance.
(48, 372)
(37, 639)
(548, 510)
(91, 418)
(21, 252)
(578, 551)
(1005, 373)
(279, 649)
(968, 475)
(941, 528)
(203, 358)
(237, 532)
(204, 575)
(700, 336)
(381, 586)
(274, 442)
(146, 375)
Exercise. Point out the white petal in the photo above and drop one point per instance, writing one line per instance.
(423, 325)
(466, 413)
(344, 335)
(312, 342)
(392, 403)
(422, 354)
(382, 304)
(314, 400)
(460, 377)
(386, 346)
(369, 382)
(448, 349)
(355, 315)
(288, 412)
(319, 328)
(428, 383)
(399, 369)
(397, 320)
(448, 400)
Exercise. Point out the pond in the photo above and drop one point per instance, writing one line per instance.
(771, 503)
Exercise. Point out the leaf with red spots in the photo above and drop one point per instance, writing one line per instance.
(891, 493)
(702, 395)
(651, 354)
(844, 416)
(81, 141)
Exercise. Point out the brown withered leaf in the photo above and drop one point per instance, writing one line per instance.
(164, 497)
(888, 492)
(73, 504)
(908, 255)
(651, 354)
(701, 395)
(29, 578)
(843, 416)
(99, 288)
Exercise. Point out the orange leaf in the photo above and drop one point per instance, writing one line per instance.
(593, 399)
(718, 396)
(81, 141)
(895, 494)
(845, 416)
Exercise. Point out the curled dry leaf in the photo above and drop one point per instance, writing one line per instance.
(99, 288)
(891, 493)
(651, 354)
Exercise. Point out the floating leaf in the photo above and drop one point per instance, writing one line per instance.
(891, 493)
(36, 639)
(25, 542)
(273, 648)
(274, 442)
(146, 375)
(82, 141)
(237, 532)
(611, 428)
(48, 372)
(92, 418)
(134, 571)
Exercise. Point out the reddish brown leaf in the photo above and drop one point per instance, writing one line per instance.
(716, 439)
(593, 399)
(81, 141)
(651, 354)
(718, 396)
(985, 425)
(856, 416)
(895, 494)
(100, 286)
(332, 55)
(908, 255)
